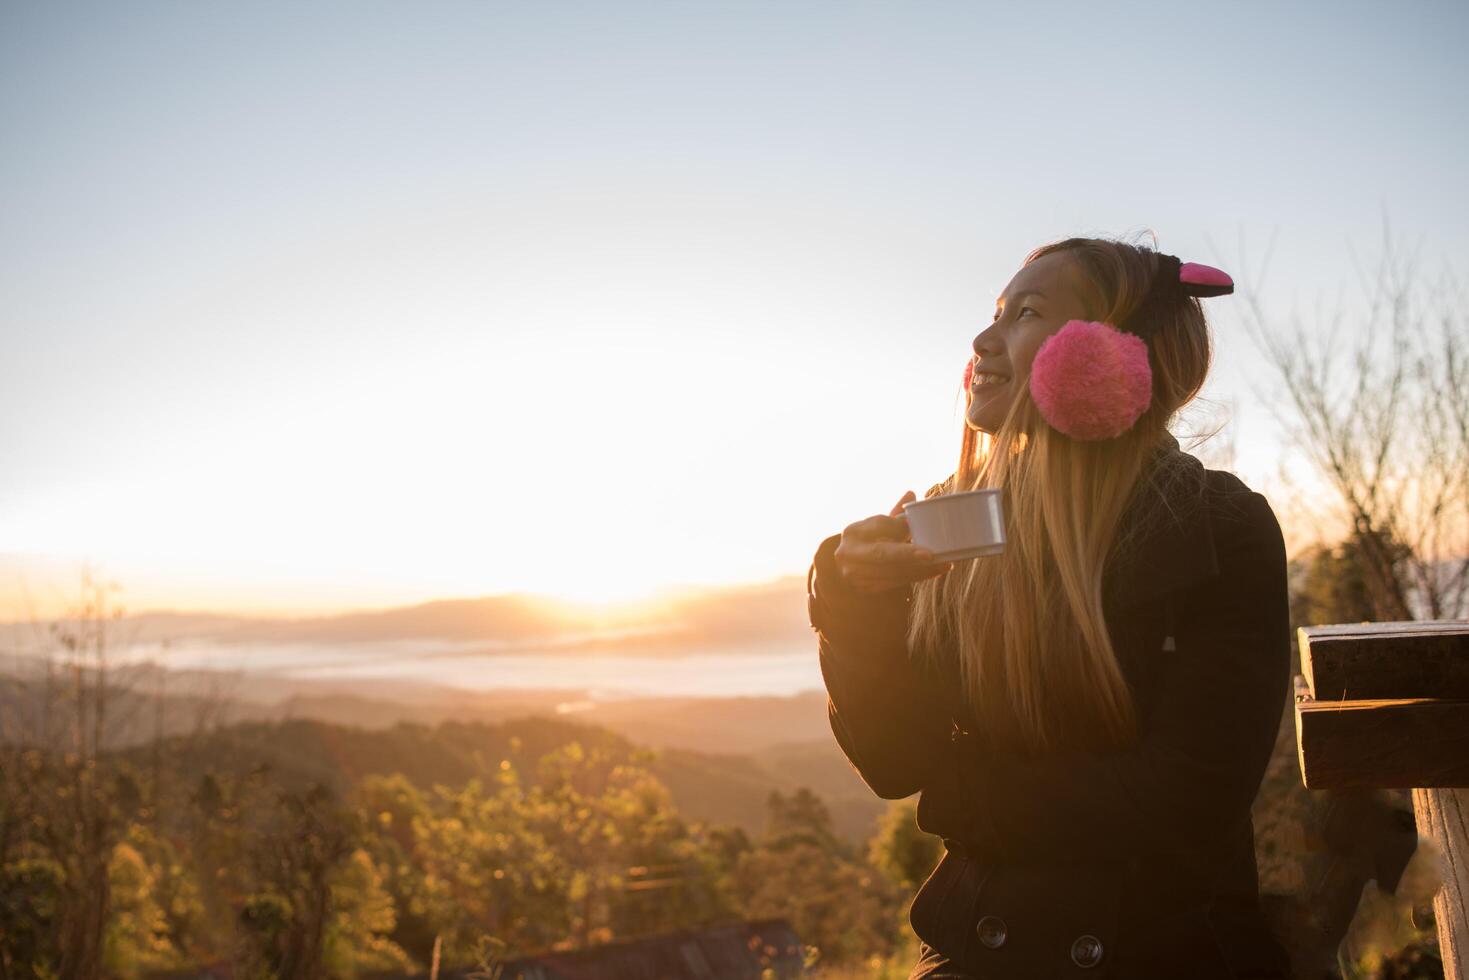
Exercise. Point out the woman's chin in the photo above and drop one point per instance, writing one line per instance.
(979, 424)
(987, 406)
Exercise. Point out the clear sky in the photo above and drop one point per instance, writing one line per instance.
(314, 306)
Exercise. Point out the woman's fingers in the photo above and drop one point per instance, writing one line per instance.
(871, 580)
(882, 553)
(877, 553)
(878, 527)
(895, 566)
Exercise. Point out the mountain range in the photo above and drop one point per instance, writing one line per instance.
(676, 623)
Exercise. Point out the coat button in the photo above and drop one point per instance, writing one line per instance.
(991, 931)
(1086, 951)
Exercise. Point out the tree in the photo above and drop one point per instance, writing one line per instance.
(30, 898)
(802, 872)
(900, 850)
(1332, 582)
(800, 818)
(392, 807)
(1379, 403)
(137, 931)
(298, 853)
(363, 918)
(594, 851)
(64, 803)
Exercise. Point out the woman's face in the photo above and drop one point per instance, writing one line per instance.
(1038, 301)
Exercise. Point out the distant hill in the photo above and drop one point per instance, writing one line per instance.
(675, 622)
(736, 724)
(719, 788)
(720, 756)
(148, 698)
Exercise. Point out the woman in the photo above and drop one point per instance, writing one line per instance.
(1088, 715)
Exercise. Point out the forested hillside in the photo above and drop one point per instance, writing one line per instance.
(302, 849)
(704, 786)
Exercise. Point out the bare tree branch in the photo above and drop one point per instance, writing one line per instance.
(1377, 403)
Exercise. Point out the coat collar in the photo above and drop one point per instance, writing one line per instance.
(1165, 542)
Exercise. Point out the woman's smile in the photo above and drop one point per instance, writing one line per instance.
(987, 379)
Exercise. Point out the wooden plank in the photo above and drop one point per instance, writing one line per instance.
(1386, 661)
(1443, 818)
(1389, 628)
(1381, 743)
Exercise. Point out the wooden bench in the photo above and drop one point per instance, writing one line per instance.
(1386, 705)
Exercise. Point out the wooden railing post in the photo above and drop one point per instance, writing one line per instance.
(1386, 705)
(1443, 817)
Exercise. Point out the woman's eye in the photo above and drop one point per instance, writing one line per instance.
(1026, 309)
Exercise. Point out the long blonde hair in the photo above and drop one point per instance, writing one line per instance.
(1036, 663)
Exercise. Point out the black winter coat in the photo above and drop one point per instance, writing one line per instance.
(1128, 863)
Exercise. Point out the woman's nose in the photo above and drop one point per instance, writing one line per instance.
(987, 342)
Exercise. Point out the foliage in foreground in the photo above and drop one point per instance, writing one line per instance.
(243, 867)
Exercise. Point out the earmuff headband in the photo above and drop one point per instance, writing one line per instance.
(1173, 281)
(1092, 380)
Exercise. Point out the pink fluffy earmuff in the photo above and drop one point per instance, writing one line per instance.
(1092, 380)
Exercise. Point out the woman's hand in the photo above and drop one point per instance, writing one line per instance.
(877, 554)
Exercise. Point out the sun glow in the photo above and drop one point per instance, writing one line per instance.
(600, 593)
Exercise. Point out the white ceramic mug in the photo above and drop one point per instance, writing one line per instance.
(958, 525)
